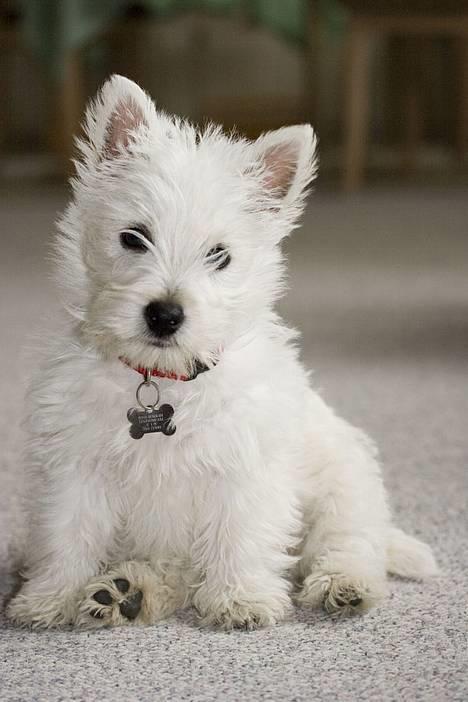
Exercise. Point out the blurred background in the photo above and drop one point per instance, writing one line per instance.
(385, 82)
(378, 272)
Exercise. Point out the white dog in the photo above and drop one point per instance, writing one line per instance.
(233, 487)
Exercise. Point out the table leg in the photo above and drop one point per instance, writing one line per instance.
(69, 103)
(311, 65)
(357, 105)
(462, 111)
(412, 112)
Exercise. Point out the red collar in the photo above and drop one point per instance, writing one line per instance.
(156, 373)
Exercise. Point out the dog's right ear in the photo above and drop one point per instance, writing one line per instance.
(115, 118)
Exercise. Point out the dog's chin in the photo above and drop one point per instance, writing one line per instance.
(166, 355)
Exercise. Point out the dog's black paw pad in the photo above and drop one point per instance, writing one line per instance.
(103, 597)
(122, 585)
(355, 602)
(130, 607)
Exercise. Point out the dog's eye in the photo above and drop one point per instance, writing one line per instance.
(219, 256)
(134, 239)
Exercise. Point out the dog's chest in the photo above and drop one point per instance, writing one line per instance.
(159, 512)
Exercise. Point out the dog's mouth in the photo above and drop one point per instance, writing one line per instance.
(171, 361)
(168, 358)
(162, 343)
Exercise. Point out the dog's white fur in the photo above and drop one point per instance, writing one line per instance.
(262, 485)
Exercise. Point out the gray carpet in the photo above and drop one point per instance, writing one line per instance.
(380, 289)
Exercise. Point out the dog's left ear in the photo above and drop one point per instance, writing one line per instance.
(288, 164)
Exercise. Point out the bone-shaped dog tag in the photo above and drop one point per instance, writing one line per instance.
(150, 421)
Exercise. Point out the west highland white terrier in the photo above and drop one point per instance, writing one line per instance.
(177, 454)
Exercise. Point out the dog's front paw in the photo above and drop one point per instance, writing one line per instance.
(239, 615)
(242, 612)
(112, 599)
(340, 594)
(41, 610)
(129, 593)
(113, 603)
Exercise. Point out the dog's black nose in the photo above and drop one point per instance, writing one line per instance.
(163, 318)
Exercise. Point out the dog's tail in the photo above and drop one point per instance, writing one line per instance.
(408, 557)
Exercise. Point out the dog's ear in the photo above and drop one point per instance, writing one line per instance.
(288, 164)
(114, 117)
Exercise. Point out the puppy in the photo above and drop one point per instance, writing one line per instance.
(177, 454)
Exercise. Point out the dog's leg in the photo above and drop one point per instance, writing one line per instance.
(70, 533)
(240, 552)
(132, 592)
(343, 558)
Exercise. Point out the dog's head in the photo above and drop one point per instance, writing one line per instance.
(170, 247)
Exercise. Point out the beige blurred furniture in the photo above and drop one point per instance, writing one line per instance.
(406, 18)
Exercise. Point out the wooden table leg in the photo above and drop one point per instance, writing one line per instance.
(69, 103)
(311, 65)
(462, 106)
(412, 116)
(357, 105)
(9, 41)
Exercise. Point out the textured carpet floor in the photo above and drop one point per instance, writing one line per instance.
(380, 290)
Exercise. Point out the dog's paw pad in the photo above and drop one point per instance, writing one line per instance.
(112, 601)
(356, 602)
(130, 607)
(103, 597)
(122, 585)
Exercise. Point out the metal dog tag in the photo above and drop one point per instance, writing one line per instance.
(150, 418)
(150, 421)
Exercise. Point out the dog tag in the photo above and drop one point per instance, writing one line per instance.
(150, 419)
